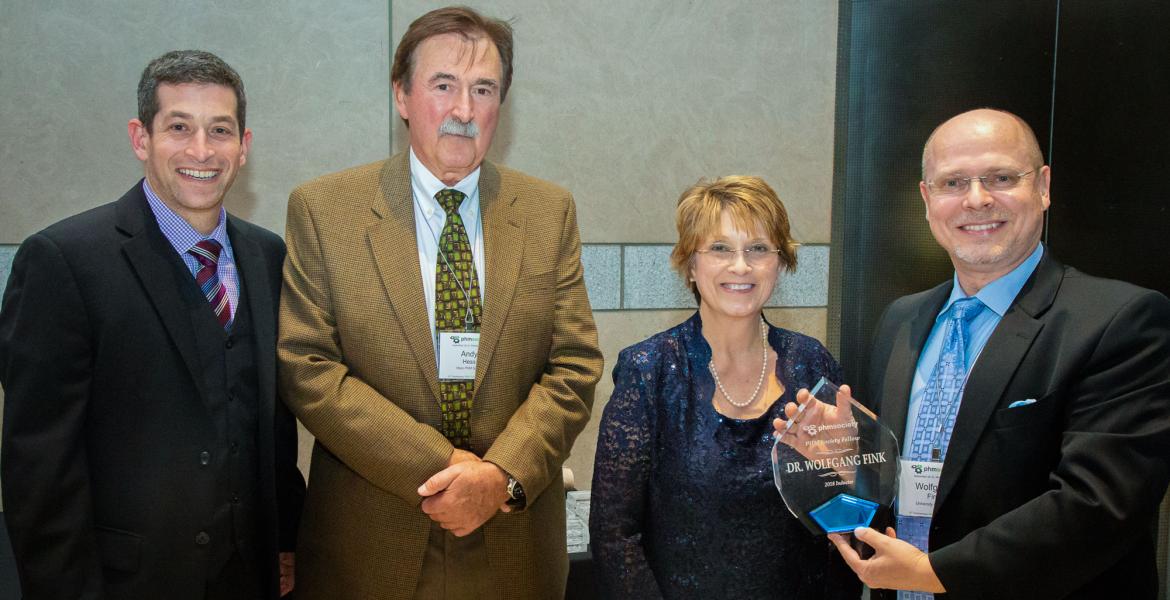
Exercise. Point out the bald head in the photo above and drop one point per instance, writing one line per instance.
(983, 123)
(991, 225)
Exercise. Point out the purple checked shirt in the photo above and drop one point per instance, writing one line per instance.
(183, 237)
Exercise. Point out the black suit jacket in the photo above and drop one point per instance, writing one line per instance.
(105, 421)
(1058, 498)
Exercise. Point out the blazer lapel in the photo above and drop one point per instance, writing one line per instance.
(149, 256)
(909, 338)
(399, 269)
(995, 368)
(254, 278)
(503, 231)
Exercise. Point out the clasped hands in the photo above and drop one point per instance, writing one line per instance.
(895, 564)
(463, 496)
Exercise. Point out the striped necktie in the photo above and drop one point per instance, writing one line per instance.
(206, 253)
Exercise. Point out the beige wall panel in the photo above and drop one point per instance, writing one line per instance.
(315, 73)
(628, 103)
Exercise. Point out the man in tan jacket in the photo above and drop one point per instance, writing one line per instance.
(436, 338)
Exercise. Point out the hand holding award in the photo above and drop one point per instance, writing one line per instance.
(835, 464)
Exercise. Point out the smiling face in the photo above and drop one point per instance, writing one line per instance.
(735, 289)
(194, 149)
(986, 234)
(455, 83)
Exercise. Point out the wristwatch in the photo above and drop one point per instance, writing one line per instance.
(516, 497)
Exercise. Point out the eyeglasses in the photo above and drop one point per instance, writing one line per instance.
(994, 181)
(754, 255)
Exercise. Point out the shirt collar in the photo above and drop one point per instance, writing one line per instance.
(177, 230)
(424, 181)
(999, 294)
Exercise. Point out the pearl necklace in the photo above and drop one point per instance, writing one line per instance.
(763, 372)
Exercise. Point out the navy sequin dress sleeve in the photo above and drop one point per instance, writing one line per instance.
(683, 504)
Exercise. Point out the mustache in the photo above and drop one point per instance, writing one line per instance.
(980, 217)
(453, 126)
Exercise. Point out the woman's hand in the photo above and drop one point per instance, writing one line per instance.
(817, 429)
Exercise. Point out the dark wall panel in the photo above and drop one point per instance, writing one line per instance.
(1093, 80)
(1110, 211)
(910, 66)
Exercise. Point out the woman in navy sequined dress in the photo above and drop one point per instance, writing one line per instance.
(683, 503)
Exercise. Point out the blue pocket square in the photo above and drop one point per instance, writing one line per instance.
(1019, 403)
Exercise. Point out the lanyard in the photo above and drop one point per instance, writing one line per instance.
(469, 317)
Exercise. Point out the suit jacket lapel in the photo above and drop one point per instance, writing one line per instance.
(503, 231)
(254, 287)
(909, 338)
(150, 258)
(399, 270)
(996, 366)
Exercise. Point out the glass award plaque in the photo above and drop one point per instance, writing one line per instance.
(835, 464)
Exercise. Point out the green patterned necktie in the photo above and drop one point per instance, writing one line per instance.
(455, 282)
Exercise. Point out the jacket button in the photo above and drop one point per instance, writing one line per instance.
(235, 448)
(204, 458)
(229, 343)
(202, 538)
(235, 498)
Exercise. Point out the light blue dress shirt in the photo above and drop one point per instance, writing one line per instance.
(997, 297)
(183, 237)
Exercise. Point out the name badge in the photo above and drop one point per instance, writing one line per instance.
(917, 487)
(458, 353)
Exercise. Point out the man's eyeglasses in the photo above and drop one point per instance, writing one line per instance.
(754, 255)
(995, 181)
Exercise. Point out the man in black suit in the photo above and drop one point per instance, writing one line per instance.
(1046, 407)
(145, 453)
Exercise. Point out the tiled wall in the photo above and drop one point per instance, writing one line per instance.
(634, 294)
(7, 252)
(638, 276)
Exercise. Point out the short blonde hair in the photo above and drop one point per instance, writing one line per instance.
(749, 200)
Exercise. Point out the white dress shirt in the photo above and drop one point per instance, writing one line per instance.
(429, 219)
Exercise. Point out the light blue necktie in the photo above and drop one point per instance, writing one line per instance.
(936, 415)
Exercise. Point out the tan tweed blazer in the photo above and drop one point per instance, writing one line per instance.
(357, 366)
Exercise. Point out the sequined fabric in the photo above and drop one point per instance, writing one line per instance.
(683, 504)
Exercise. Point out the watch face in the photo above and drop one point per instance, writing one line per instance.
(515, 490)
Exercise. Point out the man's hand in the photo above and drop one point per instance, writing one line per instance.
(288, 562)
(465, 495)
(459, 456)
(895, 565)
